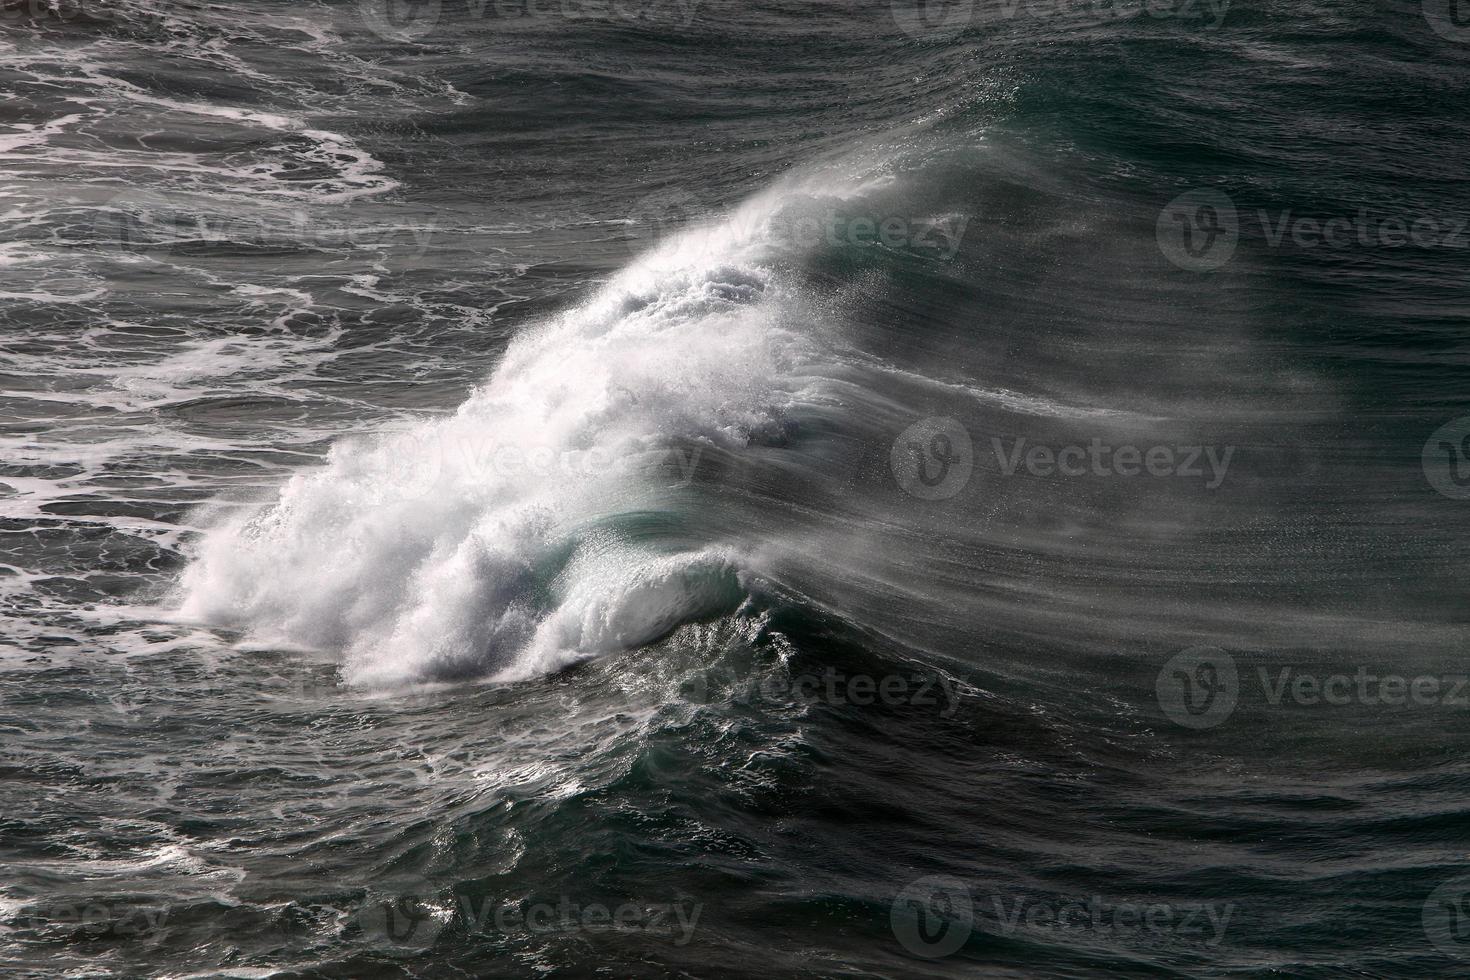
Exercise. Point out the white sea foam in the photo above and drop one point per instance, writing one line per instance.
(491, 542)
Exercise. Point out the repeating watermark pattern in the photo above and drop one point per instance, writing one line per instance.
(935, 19)
(674, 921)
(1093, 914)
(149, 220)
(1289, 685)
(667, 215)
(413, 916)
(1446, 459)
(75, 12)
(1361, 230)
(832, 686)
(1446, 917)
(939, 236)
(935, 916)
(405, 920)
(1450, 19)
(117, 920)
(1198, 687)
(401, 20)
(934, 459)
(946, 19)
(837, 687)
(1202, 686)
(1199, 230)
(1209, 463)
(416, 20)
(413, 465)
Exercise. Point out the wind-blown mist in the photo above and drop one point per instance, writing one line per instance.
(727, 490)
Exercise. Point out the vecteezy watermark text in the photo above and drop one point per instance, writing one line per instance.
(921, 689)
(837, 687)
(669, 214)
(1200, 229)
(943, 19)
(415, 464)
(1446, 459)
(93, 918)
(675, 921)
(934, 459)
(413, 917)
(936, 915)
(1201, 687)
(138, 220)
(416, 20)
(1100, 459)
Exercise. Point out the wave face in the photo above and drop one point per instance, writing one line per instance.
(731, 489)
(495, 542)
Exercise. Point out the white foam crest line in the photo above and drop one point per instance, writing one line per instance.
(45, 297)
(1014, 400)
(414, 561)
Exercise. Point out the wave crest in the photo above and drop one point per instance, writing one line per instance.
(495, 542)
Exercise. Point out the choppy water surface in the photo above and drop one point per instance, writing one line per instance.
(713, 489)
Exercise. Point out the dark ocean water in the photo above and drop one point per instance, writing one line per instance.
(674, 488)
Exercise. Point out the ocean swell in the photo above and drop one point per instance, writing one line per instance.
(504, 540)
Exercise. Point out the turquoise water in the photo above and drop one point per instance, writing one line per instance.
(778, 489)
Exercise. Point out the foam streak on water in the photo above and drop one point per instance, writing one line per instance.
(468, 462)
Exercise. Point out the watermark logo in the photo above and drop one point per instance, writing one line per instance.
(946, 19)
(1361, 230)
(1210, 463)
(1446, 459)
(395, 467)
(674, 921)
(407, 920)
(832, 687)
(933, 459)
(938, 237)
(115, 920)
(134, 220)
(1097, 915)
(413, 20)
(667, 215)
(403, 920)
(836, 687)
(1198, 230)
(412, 465)
(933, 916)
(400, 20)
(1450, 19)
(1395, 690)
(1446, 917)
(1198, 687)
(662, 215)
(138, 220)
(933, 19)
